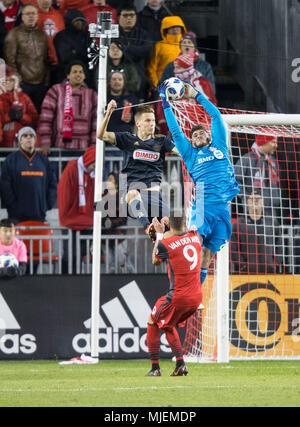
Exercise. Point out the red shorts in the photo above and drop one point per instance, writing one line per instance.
(167, 315)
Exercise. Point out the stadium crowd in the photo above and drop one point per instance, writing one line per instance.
(48, 100)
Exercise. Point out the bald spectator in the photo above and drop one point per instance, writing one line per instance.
(27, 52)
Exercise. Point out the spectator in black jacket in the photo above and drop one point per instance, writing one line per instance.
(28, 185)
(72, 43)
(3, 32)
(150, 18)
(136, 42)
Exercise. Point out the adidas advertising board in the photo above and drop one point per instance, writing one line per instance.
(48, 317)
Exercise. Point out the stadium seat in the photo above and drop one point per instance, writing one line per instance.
(46, 245)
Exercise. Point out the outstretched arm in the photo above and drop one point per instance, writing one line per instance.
(102, 133)
(182, 144)
(218, 131)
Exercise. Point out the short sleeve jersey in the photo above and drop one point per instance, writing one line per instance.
(144, 160)
(183, 256)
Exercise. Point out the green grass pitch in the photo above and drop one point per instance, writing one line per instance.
(123, 384)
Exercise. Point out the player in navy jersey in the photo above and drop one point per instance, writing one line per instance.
(182, 252)
(206, 158)
(143, 168)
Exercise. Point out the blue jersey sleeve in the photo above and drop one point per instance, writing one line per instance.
(218, 131)
(182, 144)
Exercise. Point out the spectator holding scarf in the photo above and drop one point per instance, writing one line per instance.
(69, 113)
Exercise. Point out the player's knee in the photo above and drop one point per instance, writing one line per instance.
(206, 257)
(132, 195)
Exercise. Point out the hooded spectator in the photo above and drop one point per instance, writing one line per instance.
(165, 51)
(72, 43)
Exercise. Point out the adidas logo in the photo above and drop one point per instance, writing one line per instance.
(129, 311)
(13, 343)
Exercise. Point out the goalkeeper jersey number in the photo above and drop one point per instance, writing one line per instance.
(208, 166)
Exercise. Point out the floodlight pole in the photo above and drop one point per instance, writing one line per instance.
(102, 30)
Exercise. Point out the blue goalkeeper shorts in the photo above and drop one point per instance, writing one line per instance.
(213, 224)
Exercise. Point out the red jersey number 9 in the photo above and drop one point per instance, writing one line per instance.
(192, 258)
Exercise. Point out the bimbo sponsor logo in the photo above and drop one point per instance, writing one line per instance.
(123, 325)
(13, 343)
(146, 155)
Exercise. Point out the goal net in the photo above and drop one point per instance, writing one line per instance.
(251, 296)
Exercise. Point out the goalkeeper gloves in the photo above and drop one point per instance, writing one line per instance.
(163, 93)
(190, 91)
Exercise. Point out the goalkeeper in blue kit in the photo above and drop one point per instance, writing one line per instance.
(206, 158)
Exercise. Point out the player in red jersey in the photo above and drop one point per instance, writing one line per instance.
(181, 250)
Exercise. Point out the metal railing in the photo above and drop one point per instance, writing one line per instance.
(128, 252)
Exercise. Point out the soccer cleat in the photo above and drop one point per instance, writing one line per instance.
(179, 372)
(150, 231)
(154, 373)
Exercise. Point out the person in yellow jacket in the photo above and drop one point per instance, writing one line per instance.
(166, 50)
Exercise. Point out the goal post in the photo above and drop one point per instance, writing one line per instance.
(251, 296)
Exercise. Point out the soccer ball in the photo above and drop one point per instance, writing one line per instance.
(175, 88)
(8, 260)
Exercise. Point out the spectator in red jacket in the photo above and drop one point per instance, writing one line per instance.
(75, 200)
(16, 110)
(91, 10)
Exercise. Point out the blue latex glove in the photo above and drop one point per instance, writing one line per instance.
(162, 90)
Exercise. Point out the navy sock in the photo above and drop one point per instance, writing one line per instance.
(203, 275)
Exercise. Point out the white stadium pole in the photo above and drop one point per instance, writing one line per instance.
(103, 30)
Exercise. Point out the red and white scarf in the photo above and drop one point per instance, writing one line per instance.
(82, 183)
(272, 166)
(68, 115)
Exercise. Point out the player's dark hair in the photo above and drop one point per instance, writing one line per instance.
(71, 64)
(143, 109)
(200, 127)
(177, 219)
(128, 6)
(7, 223)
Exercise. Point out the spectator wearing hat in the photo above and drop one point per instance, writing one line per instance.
(166, 50)
(72, 43)
(91, 10)
(69, 113)
(259, 169)
(16, 110)
(28, 186)
(29, 54)
(151, 16)
(256, 241)
(75, 200)
(188, 45)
